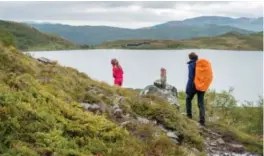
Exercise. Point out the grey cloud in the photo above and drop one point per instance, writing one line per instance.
(103, 12)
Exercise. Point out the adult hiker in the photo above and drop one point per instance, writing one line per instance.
(199, 79)
(117, 72)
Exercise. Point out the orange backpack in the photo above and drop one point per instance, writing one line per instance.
(203, 74)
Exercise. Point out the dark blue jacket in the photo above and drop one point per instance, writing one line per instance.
(190, 88)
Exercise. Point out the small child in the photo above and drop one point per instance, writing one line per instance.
(117, 73)
(163, 77)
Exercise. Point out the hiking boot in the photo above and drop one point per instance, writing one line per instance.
(189, 116)
(202, 124)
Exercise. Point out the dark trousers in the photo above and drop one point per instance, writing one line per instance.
(189, 98)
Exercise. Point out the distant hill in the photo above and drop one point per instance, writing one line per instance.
(25, 37)
(175, 30)
(228, 41)
(252, 24)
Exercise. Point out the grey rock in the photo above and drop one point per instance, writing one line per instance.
(213, 144)
(154, 122)
(117, 100)
(156, 134)
(118, 113)
(116, 106)
(169, 93)
(237, 148)
(45, 60)
(101, 95)
(174, 140)
(124, 123)
(86, 105)
(127, 116)
(159, 84)
(195, 151)
(93, 107)
(220, 141)
(176, 137)
(213, 118)
(143, 120)
(172, 135)
(163, 128)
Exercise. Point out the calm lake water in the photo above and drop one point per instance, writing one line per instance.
(242, 70)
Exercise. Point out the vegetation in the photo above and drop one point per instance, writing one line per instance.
(45, 118)
(243, 123)
(229, 41)
(25, 37)
(40, 114)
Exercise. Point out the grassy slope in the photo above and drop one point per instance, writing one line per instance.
(229, 41)
(27, 38)
(45, 118)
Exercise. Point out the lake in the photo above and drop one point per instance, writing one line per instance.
(242, 70)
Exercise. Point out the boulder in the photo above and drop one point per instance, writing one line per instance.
(237, 148)
(169, 93)
(116, 110)
(118, 113)
(46, 61)
(172, 135)
(213, 143)
(220, 141)
(143, 120)
(95, 108)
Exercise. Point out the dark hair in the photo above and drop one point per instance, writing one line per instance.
(193, 56)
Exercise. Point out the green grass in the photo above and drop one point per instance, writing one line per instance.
(229, 41)
(43, 118)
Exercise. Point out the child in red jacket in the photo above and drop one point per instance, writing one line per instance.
(117, 73)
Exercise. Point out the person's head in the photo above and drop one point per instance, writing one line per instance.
(114, 62)
(193, 56)
(163, 71)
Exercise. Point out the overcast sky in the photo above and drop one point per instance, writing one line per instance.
(123, 14)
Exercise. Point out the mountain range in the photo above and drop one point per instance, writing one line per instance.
(173, 30)
(251, 24)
